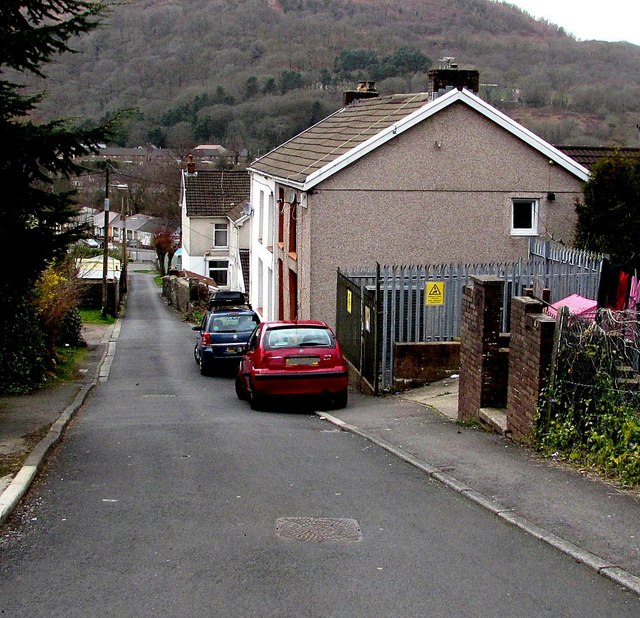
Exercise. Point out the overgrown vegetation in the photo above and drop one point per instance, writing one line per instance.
(251, 74)
(39, 217)
(608, 220)
(589, 413)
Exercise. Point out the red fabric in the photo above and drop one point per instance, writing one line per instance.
(623, 291)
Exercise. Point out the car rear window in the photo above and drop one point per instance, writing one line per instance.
(232, 323)
(298, 338)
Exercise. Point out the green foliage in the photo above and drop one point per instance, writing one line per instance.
(95, 316)
(331, 44)
(33, 157)
(23, 350)
(355, 59)
(608, 219)
(586, 417)
(290, 80)
(70, 330)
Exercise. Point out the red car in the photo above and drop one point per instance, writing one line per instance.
(293, 358)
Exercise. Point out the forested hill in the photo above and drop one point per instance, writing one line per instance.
(252, 73)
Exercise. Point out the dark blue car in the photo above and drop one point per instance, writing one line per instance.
(223, 333)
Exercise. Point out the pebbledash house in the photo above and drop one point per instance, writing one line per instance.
(423, 178)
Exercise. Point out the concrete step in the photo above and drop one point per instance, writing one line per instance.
(495, 418)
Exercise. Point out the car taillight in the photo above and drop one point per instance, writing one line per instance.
(206, 339)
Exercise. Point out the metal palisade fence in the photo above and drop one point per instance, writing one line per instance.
(424, 303)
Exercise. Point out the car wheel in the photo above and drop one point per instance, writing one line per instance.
(240, 391)
(255, 400)
(340, 399)
(195, 354)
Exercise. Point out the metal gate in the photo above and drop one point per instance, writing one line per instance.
(424, 303)
(358, 323)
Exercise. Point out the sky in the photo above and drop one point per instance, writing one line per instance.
(609, 20)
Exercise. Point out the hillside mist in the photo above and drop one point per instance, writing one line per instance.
(252, 73)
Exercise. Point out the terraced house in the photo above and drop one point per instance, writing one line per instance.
(429, 177)
(215, 239)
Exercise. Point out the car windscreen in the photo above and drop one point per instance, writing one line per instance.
(296, 337)
(232, 323)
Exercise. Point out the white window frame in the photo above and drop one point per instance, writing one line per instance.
(211, 269)
(218, 229)
(534, 204)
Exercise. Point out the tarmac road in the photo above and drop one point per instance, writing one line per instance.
(168, 496)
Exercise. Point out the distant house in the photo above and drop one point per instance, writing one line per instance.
(139, 155)
(98, 223)
(90, 273)
(140, 228)
(215, 240)
(401, 179)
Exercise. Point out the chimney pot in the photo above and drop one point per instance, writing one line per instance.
(191, 166)
(365, 90)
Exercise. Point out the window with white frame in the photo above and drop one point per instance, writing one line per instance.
(524, 217)
(269, 236)
(220, 235)
(261, 216)
(219, 272)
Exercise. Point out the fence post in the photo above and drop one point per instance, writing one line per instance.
(376, 342)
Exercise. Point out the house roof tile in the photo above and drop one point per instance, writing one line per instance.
(590, 155)
(354, 130)
(336, 135)
(215, 193)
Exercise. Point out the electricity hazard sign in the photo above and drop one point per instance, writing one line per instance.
(434, 293)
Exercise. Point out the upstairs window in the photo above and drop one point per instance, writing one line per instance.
(281, 215)
(220, 235)
(524, 217)
(293, 217)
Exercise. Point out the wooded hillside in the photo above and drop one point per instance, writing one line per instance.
(252, 73)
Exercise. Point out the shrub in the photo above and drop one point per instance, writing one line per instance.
(23, 351)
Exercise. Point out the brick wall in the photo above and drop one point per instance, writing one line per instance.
(530, 356)
(482, 357)
(419, 363)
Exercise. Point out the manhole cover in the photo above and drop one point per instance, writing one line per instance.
(318, 529)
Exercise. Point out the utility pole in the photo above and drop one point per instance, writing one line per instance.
(105, 244)
(123, 218)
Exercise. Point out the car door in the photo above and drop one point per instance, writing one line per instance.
(201, 329)
(246, 364)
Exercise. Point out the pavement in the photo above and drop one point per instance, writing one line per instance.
(579, 514)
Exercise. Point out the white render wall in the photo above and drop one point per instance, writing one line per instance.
(262, 230)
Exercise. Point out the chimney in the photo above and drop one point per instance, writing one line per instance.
(365, 90)
(448, 76)
(191, 166)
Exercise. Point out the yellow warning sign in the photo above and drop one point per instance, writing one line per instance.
(434, 293)
(349, 301)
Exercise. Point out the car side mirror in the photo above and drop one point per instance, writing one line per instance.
(195, 327)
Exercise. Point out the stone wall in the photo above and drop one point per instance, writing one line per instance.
(178, 294)
(415, 364)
